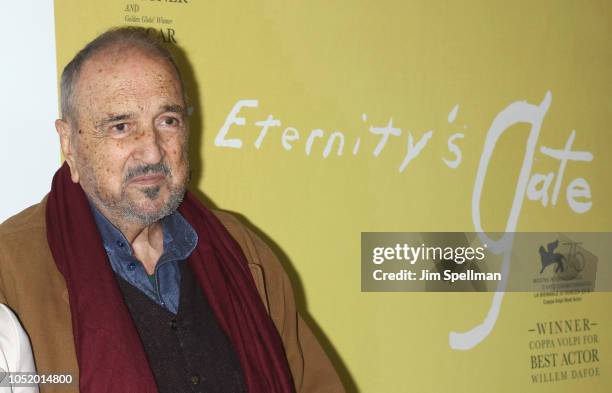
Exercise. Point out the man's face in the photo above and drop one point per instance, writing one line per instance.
(128, 144)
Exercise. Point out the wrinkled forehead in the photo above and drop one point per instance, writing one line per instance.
(122, 76)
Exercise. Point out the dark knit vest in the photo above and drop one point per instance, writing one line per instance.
(188, 352)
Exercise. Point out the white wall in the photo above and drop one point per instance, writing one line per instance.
(29, 147)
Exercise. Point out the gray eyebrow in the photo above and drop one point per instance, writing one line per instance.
(173, 108)
(114, 118)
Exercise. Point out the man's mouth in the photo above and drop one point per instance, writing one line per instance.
(148, 179)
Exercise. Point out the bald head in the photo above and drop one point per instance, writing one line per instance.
(114, 42)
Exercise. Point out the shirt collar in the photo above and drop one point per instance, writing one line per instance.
(180, 239)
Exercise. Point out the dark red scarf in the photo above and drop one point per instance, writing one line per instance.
(109, 351)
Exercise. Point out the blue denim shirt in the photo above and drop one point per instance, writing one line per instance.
(180, 239)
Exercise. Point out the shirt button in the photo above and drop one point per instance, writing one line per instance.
(131, 266)
(195, 379)
(120, 243)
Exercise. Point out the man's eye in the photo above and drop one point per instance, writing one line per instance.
(120, 128)
(170, 121)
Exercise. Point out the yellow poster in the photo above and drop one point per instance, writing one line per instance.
(317, 121)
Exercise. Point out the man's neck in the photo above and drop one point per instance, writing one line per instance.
(148, 245)
(147, 242)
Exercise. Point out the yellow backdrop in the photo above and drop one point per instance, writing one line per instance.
(410, 90)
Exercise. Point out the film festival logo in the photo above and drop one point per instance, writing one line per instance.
(573, 267)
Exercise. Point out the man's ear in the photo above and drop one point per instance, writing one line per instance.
(65, 132)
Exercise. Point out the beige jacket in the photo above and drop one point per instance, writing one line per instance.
(33, 287)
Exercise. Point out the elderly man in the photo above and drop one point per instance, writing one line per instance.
(126, 281)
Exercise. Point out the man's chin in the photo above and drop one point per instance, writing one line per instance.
(150, 211)
(147, 210)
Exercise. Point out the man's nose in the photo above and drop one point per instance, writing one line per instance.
(149, 147)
